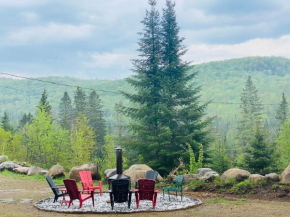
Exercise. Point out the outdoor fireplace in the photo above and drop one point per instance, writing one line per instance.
(119, 173)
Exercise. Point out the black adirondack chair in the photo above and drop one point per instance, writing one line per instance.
(120, 192)
(54, 188)
(149, 175)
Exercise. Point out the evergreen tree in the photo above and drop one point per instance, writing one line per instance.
(168, 114)
(5, 122)
(96, 121)
(44, 104)
(251, 113)
(25, 119)
(80, 102)
(258, 154)
(65, 112)
(282, 111)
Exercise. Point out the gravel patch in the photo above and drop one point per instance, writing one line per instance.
(102, 206)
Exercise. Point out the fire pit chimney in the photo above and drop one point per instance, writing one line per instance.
(119, 165)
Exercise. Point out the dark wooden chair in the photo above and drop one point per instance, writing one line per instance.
(120, 192)
(176, 187)
(87, 181)
(146, 191)
(75, 194)
(55, 188)
(151, 174)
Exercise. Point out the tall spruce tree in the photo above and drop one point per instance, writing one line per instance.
(252, 109)
(282, 112)
(5, 122)
(168, 114)
(96, 121)
(25, 119)
(44, 104)
(65, 112)
(80, 102)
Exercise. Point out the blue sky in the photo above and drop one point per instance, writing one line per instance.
(96, 39)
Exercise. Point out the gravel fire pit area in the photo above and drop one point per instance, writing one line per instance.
(102, 206)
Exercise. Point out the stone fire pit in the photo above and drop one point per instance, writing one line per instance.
(101, 205)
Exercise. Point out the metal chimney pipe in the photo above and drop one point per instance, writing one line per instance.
(119, 160)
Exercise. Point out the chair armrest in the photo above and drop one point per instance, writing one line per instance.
(85, 190)
(136, 190)
(156, 191)
(110, 191)
(100, 182)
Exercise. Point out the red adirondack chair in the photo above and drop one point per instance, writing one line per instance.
(87, 181)
(74, 192)
(146, 191)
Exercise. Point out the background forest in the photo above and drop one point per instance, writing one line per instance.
(218, 114)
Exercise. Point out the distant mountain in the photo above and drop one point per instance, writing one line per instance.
(221, 81)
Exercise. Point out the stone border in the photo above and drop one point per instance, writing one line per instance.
(115, 212)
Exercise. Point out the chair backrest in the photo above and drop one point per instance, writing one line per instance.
(120, 190)
(179, 181)
(146, 189)
(86, 179)
(72, 188)
(151, 175)
(52, 185)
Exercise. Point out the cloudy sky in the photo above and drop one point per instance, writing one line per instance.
(97, 38)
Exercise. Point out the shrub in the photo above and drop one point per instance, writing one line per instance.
(242, 187)
(195, 184)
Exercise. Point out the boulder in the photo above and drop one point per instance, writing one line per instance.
(8, 165)
(189, 177)
(138, 171)
(3, 158)
(33, 170)
(109, 173)
(209, 176)
(74, 172)
(56, 171)
(256, 178)
(203, 171)
(236, 174)
(285, 176)
(21, 170)
(43, 172)
(272, 177)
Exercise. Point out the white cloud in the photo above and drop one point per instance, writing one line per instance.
(199, 53)
(50, 33)
(30, 17)
(109, 60)
(21, 3)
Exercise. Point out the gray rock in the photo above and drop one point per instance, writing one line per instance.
(43, 172)
(203, 171)
(21, 170)
(209, 176)
(109, 173)
(8, 165)
(74, 172)
(33, 170)
(285, 176)
(256, 178)
(190, 177)
(56, 171)
(138, 171)
(236, 174)
(272, 177)
(3, 158)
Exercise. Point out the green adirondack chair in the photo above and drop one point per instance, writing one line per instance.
(176, 187)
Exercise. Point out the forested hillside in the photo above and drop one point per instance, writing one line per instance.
(222, 82)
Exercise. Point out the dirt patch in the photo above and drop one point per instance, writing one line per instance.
(215, 205)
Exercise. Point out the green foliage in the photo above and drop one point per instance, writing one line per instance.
(283, 144)
(82, 141)
(282, 112)
(242, 187)
(97, 122)
(80, 102)
(5, 138)
(258, 155)
(219, 157)
(65, 112)
(5, 122)
(44, 104)
(193, 165)
(195, 184)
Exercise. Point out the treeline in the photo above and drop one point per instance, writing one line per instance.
(77, 136)
(251, 142)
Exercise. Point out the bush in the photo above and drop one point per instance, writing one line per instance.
(195, 184)
(242, 187)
